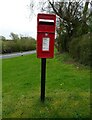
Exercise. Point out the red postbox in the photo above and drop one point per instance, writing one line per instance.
(45, 35)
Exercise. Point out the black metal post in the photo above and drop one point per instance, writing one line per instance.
(43, 75)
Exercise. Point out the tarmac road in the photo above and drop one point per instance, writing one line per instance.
(17, 54)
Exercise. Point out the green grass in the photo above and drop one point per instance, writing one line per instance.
(0, 88)
(67, 89)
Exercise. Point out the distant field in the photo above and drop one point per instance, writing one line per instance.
(67, 89)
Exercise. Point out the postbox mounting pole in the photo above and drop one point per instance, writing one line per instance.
(43, 75)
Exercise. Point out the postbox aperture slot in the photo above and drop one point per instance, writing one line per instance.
(46, 22)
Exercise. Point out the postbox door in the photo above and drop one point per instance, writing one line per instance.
(45, 45)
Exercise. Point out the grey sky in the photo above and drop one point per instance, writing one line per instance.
(15, 17)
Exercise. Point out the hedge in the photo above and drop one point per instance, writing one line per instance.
(80, 49)
(10, 46)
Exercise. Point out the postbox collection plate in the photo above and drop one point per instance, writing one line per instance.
(45, 44)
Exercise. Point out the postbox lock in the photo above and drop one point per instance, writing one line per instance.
(46, 34)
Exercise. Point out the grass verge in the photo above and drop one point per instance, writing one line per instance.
(67, 89)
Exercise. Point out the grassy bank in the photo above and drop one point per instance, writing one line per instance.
(67, 89)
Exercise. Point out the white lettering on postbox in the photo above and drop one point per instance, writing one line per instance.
(45, 44)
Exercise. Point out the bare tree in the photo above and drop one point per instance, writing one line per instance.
(72, 17)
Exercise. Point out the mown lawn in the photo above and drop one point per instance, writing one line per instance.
(67, 89)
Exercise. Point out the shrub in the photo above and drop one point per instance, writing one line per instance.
(74, 48)
(27, 45)
(80, 49)
(9, 46)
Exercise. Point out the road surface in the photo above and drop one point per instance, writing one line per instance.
(17, 54)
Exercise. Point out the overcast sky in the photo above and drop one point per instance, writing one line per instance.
(15, 17)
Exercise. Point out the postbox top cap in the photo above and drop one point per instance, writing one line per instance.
(45, 14)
